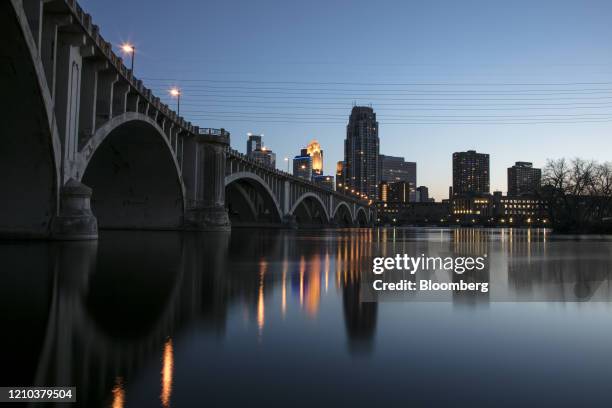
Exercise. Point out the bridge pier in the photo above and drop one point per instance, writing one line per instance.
(206, 204)
(75, 220)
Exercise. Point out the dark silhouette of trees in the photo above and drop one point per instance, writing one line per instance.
(579, 194)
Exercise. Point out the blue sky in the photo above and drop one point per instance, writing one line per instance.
(520, 80)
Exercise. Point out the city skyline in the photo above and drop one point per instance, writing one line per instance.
(317, 75)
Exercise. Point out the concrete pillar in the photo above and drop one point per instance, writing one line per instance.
(132, 102)
(75, 220)
(34, 13)
(120, 92)
(104, 94)
(69, 63)
(89, 88)
(208, 212)
(48, 46)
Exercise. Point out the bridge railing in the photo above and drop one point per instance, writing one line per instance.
(106, 49)
(212, 132)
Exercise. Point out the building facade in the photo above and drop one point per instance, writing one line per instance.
(361, 150)
(316, 153)
(265, 156)
(470, 173)
(302, 165)
(523, 178)
(324, 181)
(340, 184)
(254, 142)
(422, 193)
(392, 169)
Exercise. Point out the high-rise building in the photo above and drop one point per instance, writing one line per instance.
(265, 156)
(470, 173)
(392, 169)
(314, 150)
(422, 194)
(361, 149)
(340, 176)
(254, 142)
(302, 165)
(523, 178)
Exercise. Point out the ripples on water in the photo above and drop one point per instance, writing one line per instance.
(264, 318)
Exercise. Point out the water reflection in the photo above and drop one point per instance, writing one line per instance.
(96, 314)
(167, 373)
(118, 394)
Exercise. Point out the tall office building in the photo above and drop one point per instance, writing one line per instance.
(392, 169)
(340, 176)
(302, 165)
(314, 150)
(254, 142)
(523, 178)
(470, 173)
(361, 149)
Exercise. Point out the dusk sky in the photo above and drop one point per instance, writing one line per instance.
(520, 80)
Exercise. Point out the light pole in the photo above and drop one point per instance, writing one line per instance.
(128, 48)
(176, 93)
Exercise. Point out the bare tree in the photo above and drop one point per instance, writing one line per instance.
(579, 193)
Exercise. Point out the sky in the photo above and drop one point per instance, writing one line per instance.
(520, 80)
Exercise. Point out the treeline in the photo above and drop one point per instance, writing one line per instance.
(579, 195)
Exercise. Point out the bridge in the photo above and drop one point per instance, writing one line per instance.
(85, 145)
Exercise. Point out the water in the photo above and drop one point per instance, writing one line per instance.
(268, 318)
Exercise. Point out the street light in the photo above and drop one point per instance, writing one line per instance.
(176, 93)
(129, 49)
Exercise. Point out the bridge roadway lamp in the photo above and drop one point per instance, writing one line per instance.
(176, 93)
(129, 49)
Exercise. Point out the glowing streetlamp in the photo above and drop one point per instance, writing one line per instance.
(129, 49)
(176, 93)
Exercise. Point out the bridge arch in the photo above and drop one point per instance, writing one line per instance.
(343, 215)
(310, 207)
(250, 199)
(31, 151)
(361, 217)
(134, 174)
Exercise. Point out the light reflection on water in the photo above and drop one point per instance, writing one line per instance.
(227, 318)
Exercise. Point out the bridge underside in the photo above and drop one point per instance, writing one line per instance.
(27, 163)
(310, 213)
(343, 218)
(249, 204)
(134, 180)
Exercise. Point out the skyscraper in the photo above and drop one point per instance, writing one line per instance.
(361, 149)
(302, 165)
(523, 178)
(470, 173)
(254, 142)
(314, 150)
